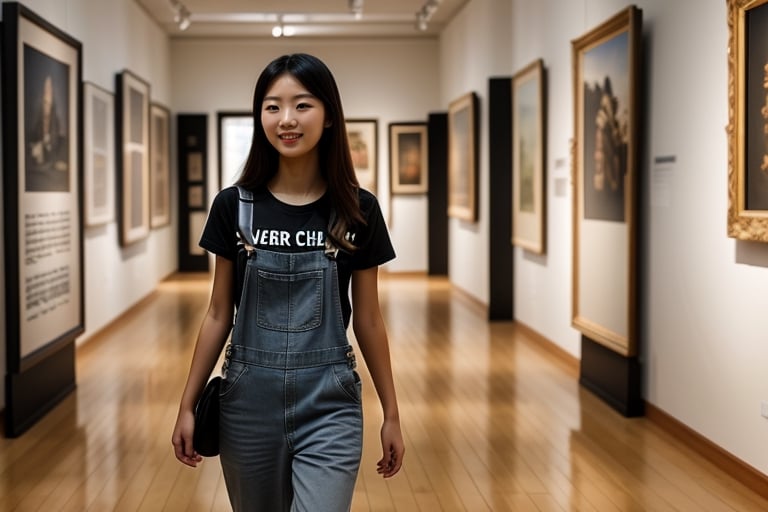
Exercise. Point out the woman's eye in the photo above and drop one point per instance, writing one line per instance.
(303, 106)
(271, 108)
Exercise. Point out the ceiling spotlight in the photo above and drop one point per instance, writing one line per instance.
(421, 22)
(184, 22)
(181, 15)
(424, 14)
(281, 30)
(356, 8)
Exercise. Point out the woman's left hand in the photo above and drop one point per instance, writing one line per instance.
(393, 448)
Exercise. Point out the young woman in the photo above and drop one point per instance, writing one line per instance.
(291, 417)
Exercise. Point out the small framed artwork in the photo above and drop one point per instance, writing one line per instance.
(529, 158)
(195, 166)
(606, 80)
(408, 158)
(363, 136)
(235, 137)
(195, 198)
(98, 154)
(748, 120)
(462, 157)
(160, 166)
(132, 135)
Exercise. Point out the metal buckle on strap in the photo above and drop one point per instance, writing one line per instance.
(331, 251)
(351, 359)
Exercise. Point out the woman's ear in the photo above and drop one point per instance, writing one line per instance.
(328, 123)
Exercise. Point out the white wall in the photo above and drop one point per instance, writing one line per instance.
(703, 298)
(703, 301)
(392, 81)
(116, 35)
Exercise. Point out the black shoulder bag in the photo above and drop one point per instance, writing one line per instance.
(205, 438)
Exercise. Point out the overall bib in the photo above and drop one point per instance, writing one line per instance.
(291, 414)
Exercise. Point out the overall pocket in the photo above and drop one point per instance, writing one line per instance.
(290, 302)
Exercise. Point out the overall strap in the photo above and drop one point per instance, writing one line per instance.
(245, 223)
(245, 217)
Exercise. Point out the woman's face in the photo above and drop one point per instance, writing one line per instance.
(293, 119)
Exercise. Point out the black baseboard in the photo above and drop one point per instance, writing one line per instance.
(37, 389)
(614, 378)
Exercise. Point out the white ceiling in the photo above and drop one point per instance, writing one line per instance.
(309, 18)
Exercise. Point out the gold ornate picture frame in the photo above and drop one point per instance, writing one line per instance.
(748, 120)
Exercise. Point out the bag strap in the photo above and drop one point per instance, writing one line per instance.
(245, 218)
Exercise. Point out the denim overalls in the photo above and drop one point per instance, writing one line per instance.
(291, 415)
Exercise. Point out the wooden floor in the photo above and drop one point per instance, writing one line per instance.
(492, 422)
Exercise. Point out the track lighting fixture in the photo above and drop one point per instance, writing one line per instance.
(356, 8)
(181, 15)
(424, 14)
(281, 30)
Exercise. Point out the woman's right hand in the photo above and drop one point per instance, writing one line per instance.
(182, 439)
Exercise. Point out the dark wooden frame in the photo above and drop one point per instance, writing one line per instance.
(463, 157)
(159, 166)
(367, 175)
(132, 147)
(397, 184)
(98, 158)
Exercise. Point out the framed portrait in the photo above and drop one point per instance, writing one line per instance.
(462, 157)
(748, 120)
(363, 136)
(98, 154)
(606, 64)
(132, 135)
(408, 158)
(42, 187)
(160, 166)
(235, 136)
(529, 158)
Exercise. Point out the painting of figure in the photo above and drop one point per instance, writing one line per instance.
(606, 107)
(46, 122)
(756, 171)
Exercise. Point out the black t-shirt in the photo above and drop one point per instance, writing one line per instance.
(282, 227)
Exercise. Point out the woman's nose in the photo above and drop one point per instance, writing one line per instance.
(288, 119)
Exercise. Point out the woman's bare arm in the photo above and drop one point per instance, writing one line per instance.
(213, 334)
(371, 335)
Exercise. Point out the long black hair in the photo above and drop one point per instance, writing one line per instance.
(335, 159)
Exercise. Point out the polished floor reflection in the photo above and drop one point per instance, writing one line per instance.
(492, 421)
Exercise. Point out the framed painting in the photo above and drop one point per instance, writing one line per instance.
(363, 136)
(98, 154)
(132, 135)
(160, 166)
(462, 157)
(748, 120)
(42, 211)
(235, 136)
(529, 158)
(408, 158)
(606, 64)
